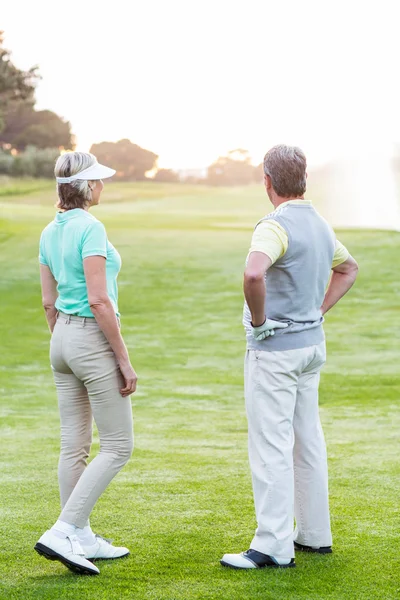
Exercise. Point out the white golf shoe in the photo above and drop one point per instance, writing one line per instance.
(251, 559)
(103, 549)
(68, 551)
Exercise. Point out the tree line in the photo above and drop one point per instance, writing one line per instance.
(31, 140)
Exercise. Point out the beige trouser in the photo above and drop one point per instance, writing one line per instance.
(88, 383)
(287, 451)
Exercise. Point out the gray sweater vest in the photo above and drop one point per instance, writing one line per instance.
(296, 282)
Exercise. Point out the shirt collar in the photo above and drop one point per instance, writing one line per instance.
(297, 201)
(69, 214)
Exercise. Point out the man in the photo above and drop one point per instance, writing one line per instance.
(292, 256)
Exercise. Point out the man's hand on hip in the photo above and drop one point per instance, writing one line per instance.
(267, 329)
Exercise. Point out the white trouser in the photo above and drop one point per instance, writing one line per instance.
(287, 449)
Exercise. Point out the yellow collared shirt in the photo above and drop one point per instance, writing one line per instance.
(271, 238)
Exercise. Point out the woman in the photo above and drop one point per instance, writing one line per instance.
(92, 371)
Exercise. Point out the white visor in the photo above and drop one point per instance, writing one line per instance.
(96, 171)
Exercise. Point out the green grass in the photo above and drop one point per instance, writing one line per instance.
(185, 497)
(22, 187)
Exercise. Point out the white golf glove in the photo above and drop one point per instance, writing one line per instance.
(267, 329)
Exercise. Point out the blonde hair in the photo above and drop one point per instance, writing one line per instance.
(78, 193)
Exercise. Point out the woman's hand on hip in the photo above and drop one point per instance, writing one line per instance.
(130, 378)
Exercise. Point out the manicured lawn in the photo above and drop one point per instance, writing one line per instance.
(185, 497)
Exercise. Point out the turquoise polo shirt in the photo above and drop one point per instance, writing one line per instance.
(64, 243)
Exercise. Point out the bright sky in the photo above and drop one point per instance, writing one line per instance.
(191, 79)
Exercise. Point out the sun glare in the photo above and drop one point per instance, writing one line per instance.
(191, 89)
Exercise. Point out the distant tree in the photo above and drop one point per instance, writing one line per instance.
(46, 130)
(259, 173)
(33, 162)
(166, 176)
(15, 85)
(6, 162)
(25, 126)
(23, 165)
(129, 160)
(43, 160)
(17, 117)
(233, 169)
(193, 180)
(20, 124)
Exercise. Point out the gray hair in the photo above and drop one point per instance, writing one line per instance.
(286, 165)
(77, 193)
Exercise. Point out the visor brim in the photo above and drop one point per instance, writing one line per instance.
(96, 172)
